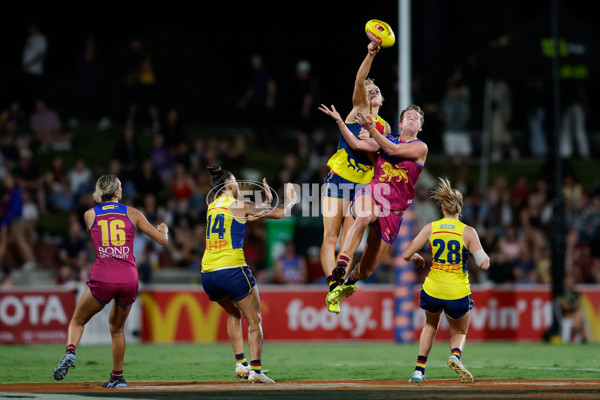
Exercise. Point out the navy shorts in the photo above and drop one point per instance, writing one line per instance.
(123, 293)
(336, 187)
(452, 308)
(233, 282)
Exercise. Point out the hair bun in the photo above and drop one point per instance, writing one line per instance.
(213, 169)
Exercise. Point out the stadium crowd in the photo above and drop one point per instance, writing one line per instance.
(162, 167)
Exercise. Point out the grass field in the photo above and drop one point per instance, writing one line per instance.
(304, 361)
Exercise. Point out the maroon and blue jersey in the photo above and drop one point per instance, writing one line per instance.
(393, 183)
(112, 233)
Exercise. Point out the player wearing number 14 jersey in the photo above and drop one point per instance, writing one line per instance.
(226, 278)
(446, 288)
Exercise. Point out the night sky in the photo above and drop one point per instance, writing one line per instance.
(201, 50)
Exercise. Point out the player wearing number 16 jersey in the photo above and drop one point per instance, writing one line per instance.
(114, 274)
(446, 287)
(226, 277)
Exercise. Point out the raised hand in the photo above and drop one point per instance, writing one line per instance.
(268, 193)
(333, 113)
(365, 121)
(373, 48)
(290, 194)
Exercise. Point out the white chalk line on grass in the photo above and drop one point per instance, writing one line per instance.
(565, 369)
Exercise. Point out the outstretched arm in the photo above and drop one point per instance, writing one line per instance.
(357, 144)
(160, 233)
(252, 211)
(359, 97)
(412, 151)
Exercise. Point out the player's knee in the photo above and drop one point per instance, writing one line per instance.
(363, 220)
(330, 238)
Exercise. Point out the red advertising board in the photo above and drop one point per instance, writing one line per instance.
(299, 314)
(35, 316)
(296, 313)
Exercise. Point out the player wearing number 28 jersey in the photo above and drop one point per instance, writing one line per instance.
(446, 288)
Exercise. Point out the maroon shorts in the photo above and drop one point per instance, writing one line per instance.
(123, 293)
(389, 221)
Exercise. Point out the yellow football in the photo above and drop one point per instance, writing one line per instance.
(380, 33)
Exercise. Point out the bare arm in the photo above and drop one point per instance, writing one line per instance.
(416, 150)
(160, 234)
(368, 144)
(410, 253)
(252, 211)
(360, 102)
(472, 243)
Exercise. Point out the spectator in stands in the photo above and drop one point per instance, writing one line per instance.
(73, 257)
(290, 267)
(12, 123)
(146, 249)
(575, 113)
(198, 156)
(147, 181)
(182, 155)
(524, 267)
(476, 211)
(182, 186)
(57, 188)
(33, 66)
(455, 112)
(31, 179)
(128, 150)
(314, 269)
(304, 101)
(172, 129)
(87, 84)
(46, 127)
(519, 193)
(11, 225)
(161, 158)
(80, 178)
(258, 101)
(501, 137)
(141, 79)
(127, 185)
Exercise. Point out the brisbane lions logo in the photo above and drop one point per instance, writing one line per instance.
(391, 172)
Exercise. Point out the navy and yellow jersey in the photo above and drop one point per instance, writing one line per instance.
(448, 278)
(354, 165)
(224, 237)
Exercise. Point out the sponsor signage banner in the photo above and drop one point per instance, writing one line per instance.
(35, 316)
(297, 313)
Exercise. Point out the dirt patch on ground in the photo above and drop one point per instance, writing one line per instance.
(508, 389)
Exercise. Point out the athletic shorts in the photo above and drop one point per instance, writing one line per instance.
(452, 308)
(389, 221)
(236, 282)
(336, 187)
(123, 293)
